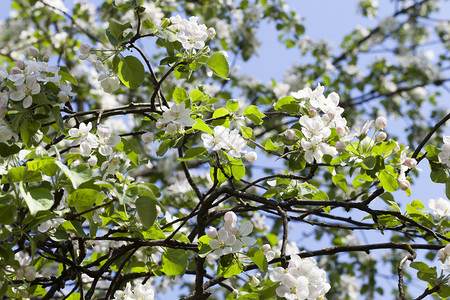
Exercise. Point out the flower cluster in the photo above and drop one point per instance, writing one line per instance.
(139, 291)
(317, 128)
(231, 238)
(104, 143)
(27, 80)
(108, 80)
(302, 279)
(189, 33)
(228, 140)
(406, 163)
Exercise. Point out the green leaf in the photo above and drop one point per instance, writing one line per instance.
(192, 153)
(8, 213)
(46, 165)
(438, 175)
(270, 145)
(388, 181)
(258, 257)
(116, 29)
(228, 267)
(297, 161)
(67, 77)
(131, 72)
(252, 112)
(146, 208)
(82, 197)
(233, 105)
(201, 125)
(369, 162)
(203, 246)
(219, 65)
(287, 104)
(221, 112)
(36, 199)
(389, 200)
(174, 261)
(28, 130)
(247, 132)
(163, 147)
(340, 181)
(77, 175)
(179, 95)
(447, 188)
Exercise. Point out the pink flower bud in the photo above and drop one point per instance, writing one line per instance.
(410, 162)
(32, 51)
(15, 70)
(341, 131)
(211, 32)
(148, 137)
(230, 217)
(251, 156)
(20, 64)
(312, 113)
(266, 247)
(404, 184)
(331, 115)
(380, 123)
(381, 136)
(212, 232)
(340, 146)
(397, 148)
(85, 48)
(290, 135)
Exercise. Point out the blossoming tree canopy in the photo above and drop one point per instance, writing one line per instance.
(135, 157)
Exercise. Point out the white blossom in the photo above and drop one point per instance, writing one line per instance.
(440, 207)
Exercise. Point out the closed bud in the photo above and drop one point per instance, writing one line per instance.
(251, 156)
(290, 135)
(410, 162)
(265, 248)
(20, 64)
(63, 97)
(331, 115)
(404, 184)
(441, 254)
(340, 146)
(341, 131)
(85, 48)
(148, 137)
(30, 273)
(254, 281)
(381, 136)
(380, 123)
(235, 292)
(159, 125)
(15, 70)
(45, 58)
(230, 217)
(211, 32)
(312, 113)
(212, 232)
(32, 51)
(397, 148)
(171, 128)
